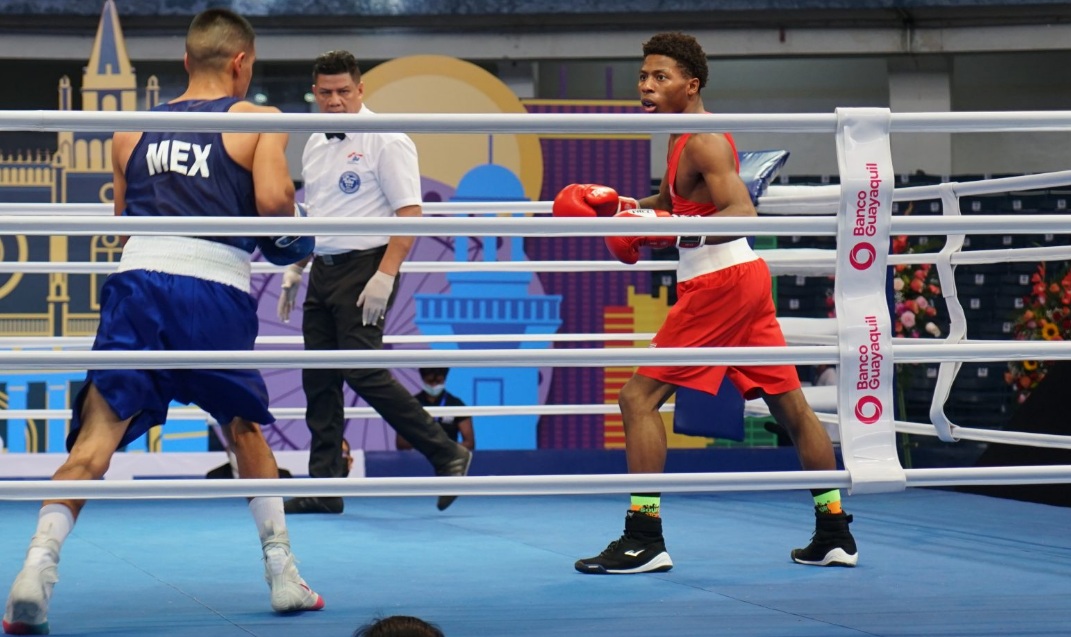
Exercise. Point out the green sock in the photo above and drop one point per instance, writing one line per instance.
(828, 502)
(647, 503)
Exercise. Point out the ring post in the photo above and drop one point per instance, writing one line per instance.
(865, 386)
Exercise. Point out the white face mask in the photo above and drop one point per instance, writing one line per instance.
(433, 390)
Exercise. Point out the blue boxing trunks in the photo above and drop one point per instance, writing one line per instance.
(143, 309)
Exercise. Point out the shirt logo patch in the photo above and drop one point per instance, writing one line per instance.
(349, 182)
(354, 158)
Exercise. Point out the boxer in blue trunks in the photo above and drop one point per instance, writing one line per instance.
(181, 293)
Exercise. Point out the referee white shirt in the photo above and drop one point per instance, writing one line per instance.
(363, 175)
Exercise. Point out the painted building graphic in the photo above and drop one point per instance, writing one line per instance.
(60, 304)
(643, 314)
(492, 303)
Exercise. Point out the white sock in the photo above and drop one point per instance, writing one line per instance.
(54, 524)
(271, 521)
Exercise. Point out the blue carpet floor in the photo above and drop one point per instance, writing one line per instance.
(931, 563)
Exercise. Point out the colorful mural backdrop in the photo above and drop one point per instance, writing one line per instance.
(454, 168)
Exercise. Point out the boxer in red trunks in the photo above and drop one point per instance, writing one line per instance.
(724, 301)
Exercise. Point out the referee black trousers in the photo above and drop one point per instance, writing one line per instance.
(332, 321)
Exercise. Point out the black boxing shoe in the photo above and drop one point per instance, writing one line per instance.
(641, 549)
(832, 543)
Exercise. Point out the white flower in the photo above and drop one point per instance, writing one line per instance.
(933, 330)
(898, 284)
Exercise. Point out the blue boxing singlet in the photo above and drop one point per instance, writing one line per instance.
(190, 175)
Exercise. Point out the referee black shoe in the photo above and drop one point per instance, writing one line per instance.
(832, 543)
(313, 505)
(459, 466)
(641, 549)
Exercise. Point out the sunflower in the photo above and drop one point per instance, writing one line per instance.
(1044, 314)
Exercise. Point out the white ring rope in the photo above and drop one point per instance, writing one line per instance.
(781, 261)
(797, 331)
(85, 342)
(517, 227)
(630, 123)
(509, 485)
(433, 208)
(801, 199)
(784, 200)
(968, 352)
(753, 408)
(298, 413)
(334, 359)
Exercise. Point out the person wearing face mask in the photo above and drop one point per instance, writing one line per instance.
(434, 394)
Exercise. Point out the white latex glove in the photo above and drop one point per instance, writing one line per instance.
(288, 294)
(373, 300)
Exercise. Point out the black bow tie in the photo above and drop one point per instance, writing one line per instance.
(331, 136)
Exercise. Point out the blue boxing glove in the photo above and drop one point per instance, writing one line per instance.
(287, 249)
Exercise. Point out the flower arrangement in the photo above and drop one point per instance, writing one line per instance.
(915, 289)
(1046, 315)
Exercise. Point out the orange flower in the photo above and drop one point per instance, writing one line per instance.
(1050, 332)
(1030, 365)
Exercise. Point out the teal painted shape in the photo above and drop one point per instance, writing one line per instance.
(492, 303)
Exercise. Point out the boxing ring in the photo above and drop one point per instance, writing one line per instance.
(932, 561)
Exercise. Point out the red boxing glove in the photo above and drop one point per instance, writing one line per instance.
(590, 200)
(627, 249)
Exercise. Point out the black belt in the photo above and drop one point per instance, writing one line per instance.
(343, 257)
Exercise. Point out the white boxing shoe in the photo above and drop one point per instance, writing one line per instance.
(289, 593)
(26, 612)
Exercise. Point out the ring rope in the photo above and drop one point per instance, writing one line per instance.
(298, 413)
(778, 199)
(753, 408)
(85, 342)
(971, 352)
(334, 359)
(518, 227)
(631, 123)
(797, 331)
(781, 261)
(434, 208)
(509, 485)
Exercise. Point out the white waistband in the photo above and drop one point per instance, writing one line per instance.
(711, 258)
(186, 256)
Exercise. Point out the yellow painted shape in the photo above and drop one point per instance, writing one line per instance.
(648, 315)
(443, 84)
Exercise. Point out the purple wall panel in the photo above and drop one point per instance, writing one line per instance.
(623, 164)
